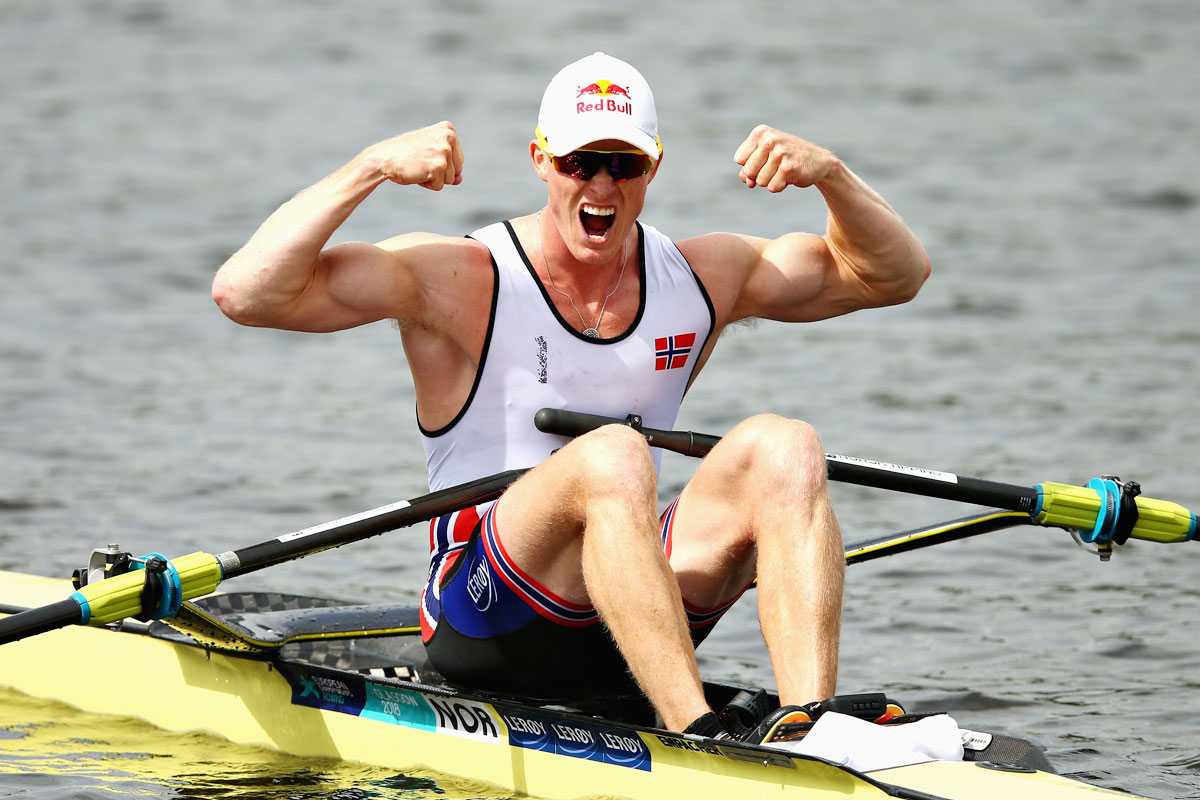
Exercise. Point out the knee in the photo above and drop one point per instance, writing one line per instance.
(777, 452)
(615, 460)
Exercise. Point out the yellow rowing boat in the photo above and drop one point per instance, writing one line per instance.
(349, 682)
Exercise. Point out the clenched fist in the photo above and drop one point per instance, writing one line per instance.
(775, 160)
(431, 157)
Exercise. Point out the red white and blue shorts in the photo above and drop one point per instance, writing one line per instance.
(489, 625)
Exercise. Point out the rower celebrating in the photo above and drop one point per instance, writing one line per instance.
(571, 582)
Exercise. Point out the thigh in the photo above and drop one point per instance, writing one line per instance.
(540, 520)
(712, 548)
(763, 476)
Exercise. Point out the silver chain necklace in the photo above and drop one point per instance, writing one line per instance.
(592, 332)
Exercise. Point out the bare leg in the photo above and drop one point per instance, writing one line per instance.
(583, 523)
(759, 504)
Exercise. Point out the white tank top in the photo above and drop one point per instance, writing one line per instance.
(533, 359)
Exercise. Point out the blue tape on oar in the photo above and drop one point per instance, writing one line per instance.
(1118, 511)
(85, 608)
(1110, 510)
(170, 588)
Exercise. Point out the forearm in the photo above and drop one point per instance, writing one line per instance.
(868, 237)
(275, 266)
(265, 283)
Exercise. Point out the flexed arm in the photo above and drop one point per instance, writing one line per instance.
(867, 257)
(283, 277)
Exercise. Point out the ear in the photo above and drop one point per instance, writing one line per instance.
(541, 161)
(654, 169)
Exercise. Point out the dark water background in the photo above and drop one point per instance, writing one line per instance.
(1045, 151)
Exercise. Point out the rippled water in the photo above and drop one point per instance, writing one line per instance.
(1045, 152)
(53, 751)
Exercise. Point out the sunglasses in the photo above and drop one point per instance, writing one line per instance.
(621, 164)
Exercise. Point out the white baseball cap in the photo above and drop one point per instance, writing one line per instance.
(598, 97)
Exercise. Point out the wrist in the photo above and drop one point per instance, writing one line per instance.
(370, 167)
(836, 173)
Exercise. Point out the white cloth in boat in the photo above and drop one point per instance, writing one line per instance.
(865, 746)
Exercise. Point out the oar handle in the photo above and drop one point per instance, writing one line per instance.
(1080, 508)
(575, 423)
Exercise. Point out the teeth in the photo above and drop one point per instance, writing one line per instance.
(597, 211)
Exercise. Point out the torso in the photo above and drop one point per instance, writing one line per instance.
(535, 356)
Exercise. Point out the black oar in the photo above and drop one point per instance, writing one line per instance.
(198, 574)
(1104, 512)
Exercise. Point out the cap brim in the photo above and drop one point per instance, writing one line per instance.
(567, 141)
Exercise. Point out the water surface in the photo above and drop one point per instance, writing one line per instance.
(1044, 151)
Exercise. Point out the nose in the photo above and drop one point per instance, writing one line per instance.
(603, 179)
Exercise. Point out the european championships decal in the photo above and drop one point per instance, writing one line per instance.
(350, 694)
(456, 716)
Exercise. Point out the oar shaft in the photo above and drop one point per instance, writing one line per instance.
(39, 620)
(1051, 504)
(199, 573)
(364, 525)
(844, 469)
(930, 483)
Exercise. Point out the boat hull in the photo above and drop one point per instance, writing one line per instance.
(310, 710)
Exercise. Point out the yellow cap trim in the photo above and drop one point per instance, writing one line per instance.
(544, 144)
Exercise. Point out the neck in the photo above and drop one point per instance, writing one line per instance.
(586, 289)
(588, 274)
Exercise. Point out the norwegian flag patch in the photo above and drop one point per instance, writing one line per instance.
(671, 352)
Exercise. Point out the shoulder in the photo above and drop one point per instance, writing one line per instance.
(447, 275)
(441, 264)
(722, 262)
(729, 250)
(423, 251)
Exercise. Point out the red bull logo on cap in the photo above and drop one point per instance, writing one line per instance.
(603, 96)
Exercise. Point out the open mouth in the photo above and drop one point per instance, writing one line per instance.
(597, 220)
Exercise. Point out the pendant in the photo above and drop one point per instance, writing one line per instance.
(592, 333)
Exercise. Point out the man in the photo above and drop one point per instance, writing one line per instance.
(579, 305)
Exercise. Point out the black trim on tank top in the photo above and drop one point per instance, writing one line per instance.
(487, 342)
(641, 253)
(712, 317)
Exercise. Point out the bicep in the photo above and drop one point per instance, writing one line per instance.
(791, 279)
(795, 278)
(354, 284)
